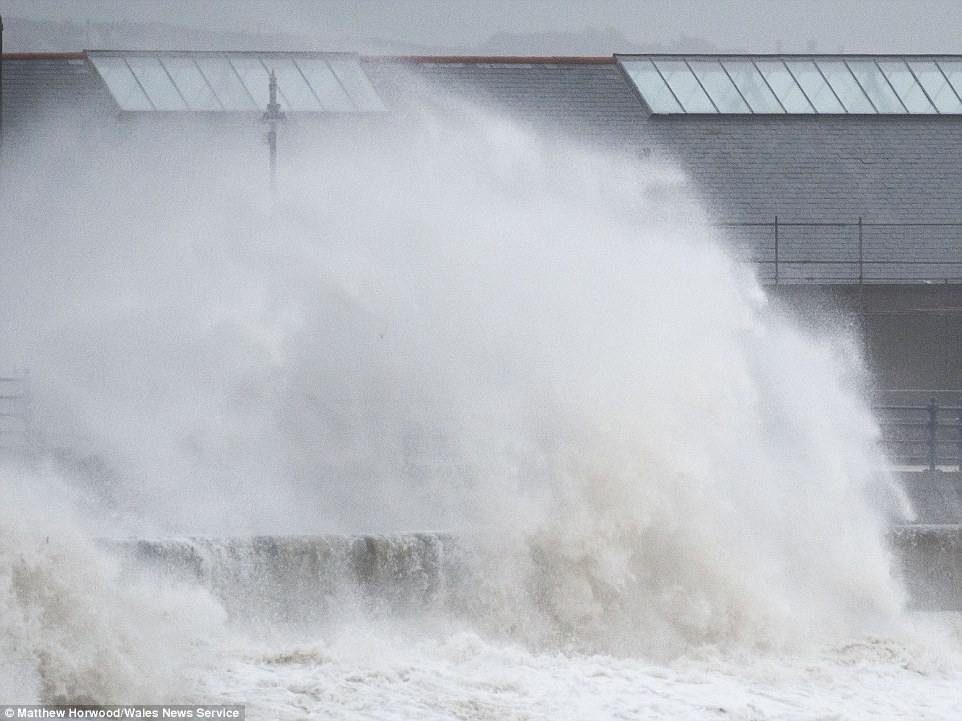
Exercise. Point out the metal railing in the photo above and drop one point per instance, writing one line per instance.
(852, 252)
(926, 435)
(15, 413)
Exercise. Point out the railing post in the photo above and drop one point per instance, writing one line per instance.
(861, 275)
(933, 409)
(960, 434)
(776, 250)
(27, 407)
(1, 102)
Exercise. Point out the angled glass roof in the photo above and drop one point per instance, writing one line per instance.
(235, 82)
(796, 84)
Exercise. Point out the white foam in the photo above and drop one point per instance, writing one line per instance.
(463, 676)
(74, 629)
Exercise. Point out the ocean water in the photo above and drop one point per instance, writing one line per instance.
(462, 676)
(77, 628)
(670, 493)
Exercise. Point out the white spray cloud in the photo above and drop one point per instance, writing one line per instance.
(466, 326)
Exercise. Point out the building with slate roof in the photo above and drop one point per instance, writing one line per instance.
(838, 176)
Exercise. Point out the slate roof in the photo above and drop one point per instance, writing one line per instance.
(589, 95)
(828, 169)
(750, 169)
(57, 84)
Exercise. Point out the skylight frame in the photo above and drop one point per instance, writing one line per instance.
(654, 91)
(873, 96)
(764, 86)
(156, 83)
(814, 84)
(694, 93)
(176, 67)
(859, 86)
(937, 98)
(702, 69)
(777, 66)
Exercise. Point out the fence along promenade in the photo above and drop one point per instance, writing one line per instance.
(855, 252)
(927, 436)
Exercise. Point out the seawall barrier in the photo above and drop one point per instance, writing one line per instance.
(304, 577)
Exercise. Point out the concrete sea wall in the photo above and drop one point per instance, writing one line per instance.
(930, 558)
(301, 578)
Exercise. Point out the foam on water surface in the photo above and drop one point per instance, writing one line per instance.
(464, 677)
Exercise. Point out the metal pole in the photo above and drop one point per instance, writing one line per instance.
(960, 434)
(27, 409)
(861, 275)
(272, 117)
(272, 141)
(861, 268)
(933, 409)
(1, 102)
(272, 108)
(776, 250)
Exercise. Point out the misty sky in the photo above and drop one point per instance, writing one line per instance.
(760, 25)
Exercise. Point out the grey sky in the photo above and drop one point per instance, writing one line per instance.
(762, 25)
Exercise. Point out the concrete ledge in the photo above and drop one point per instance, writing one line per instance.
(936, 496)
(930, 560)
(300, 578)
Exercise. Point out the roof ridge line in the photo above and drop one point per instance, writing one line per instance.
(45, 56)
(497, 59)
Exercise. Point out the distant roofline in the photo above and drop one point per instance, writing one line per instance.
(483, 59)
(802, 56)
(440, 59)
(493, 59)
(187, 53)
(44, 56)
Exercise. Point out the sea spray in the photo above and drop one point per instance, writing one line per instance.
(75, 630)
(472, 327)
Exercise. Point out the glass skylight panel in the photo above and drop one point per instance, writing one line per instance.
(354, 81)
(327, 88)
(223, 80)
(846, 88)
(906, 86)
(255, 78)
(818, 91)
(121, 82)
(952, 69)
(837, 85)
(783, 84)
(652, 87)
(936, 86)
(752, 86)
(685, 87)
(296, 93)
(156, 83)
(719, 86)
(236, 81)
(875, 85)
(191, 83)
